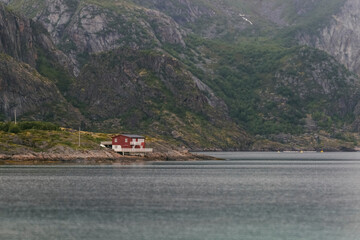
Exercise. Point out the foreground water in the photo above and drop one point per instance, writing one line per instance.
(249, 196)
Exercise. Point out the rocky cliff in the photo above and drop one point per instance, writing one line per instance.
(17, 37)
(340, 37)
(314, 83)
(22, 88)
(33, 96)
(80, 28)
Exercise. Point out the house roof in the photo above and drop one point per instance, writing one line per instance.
(130, 135)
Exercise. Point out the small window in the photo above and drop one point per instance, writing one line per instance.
(126, 140)
(116, 140)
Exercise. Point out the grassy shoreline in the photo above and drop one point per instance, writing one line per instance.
(96, 157)
(34, 143)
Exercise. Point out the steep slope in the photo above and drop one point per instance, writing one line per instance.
(341, 37)
(80, 28)
(33, 97)
(17, 37)
(276, 92)
(22, 39)
(22, 88)
(147, 90)
(135, 90)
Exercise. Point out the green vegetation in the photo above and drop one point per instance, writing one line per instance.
(308, 19)
(169, 106)
(43, 136)
(26, 125)
(53, 71)
(270, 87)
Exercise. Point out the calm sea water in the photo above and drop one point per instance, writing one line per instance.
(248, 196)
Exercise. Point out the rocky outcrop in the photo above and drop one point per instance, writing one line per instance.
(139, 79)
(22, 38)
(56, 16)
(17, 37)
(311, 75)
(340, 37)
(22, 88)
(80, 28)
(95, 29)
(34, 97)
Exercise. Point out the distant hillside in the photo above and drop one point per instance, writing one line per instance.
(22, 88)
(127, 90)
(202, 73)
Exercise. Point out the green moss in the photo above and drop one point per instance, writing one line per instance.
(53, 71)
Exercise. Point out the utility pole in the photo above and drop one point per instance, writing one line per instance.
(79, 138)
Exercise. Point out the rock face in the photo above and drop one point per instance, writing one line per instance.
(80, 29)
(21, 38)
(34, 97)
(318, 84)
(17, 37)
(341, 37)
(137, 80)
(154, 91)
(22, 88)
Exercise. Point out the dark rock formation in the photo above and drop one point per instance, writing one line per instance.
(33, 97)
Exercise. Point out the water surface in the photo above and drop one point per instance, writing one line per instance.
(248, 196)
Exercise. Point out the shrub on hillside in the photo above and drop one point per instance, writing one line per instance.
(4, 126)
(14, 128)
(38, 125)
(20, 126)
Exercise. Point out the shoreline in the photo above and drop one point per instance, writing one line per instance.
(97, 157)
(108, 157)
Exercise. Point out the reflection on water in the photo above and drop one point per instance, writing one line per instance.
(239, 198)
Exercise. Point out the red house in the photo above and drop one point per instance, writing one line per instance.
(128, 141)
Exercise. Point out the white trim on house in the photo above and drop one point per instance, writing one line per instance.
(118, 148)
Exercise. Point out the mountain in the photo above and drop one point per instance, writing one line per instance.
(123, 90)
(22, 88)
(132, 90)
(200, 73)
(340, 37)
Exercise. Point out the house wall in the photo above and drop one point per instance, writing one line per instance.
(125, 141)
(122, 141)
(141, 141)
